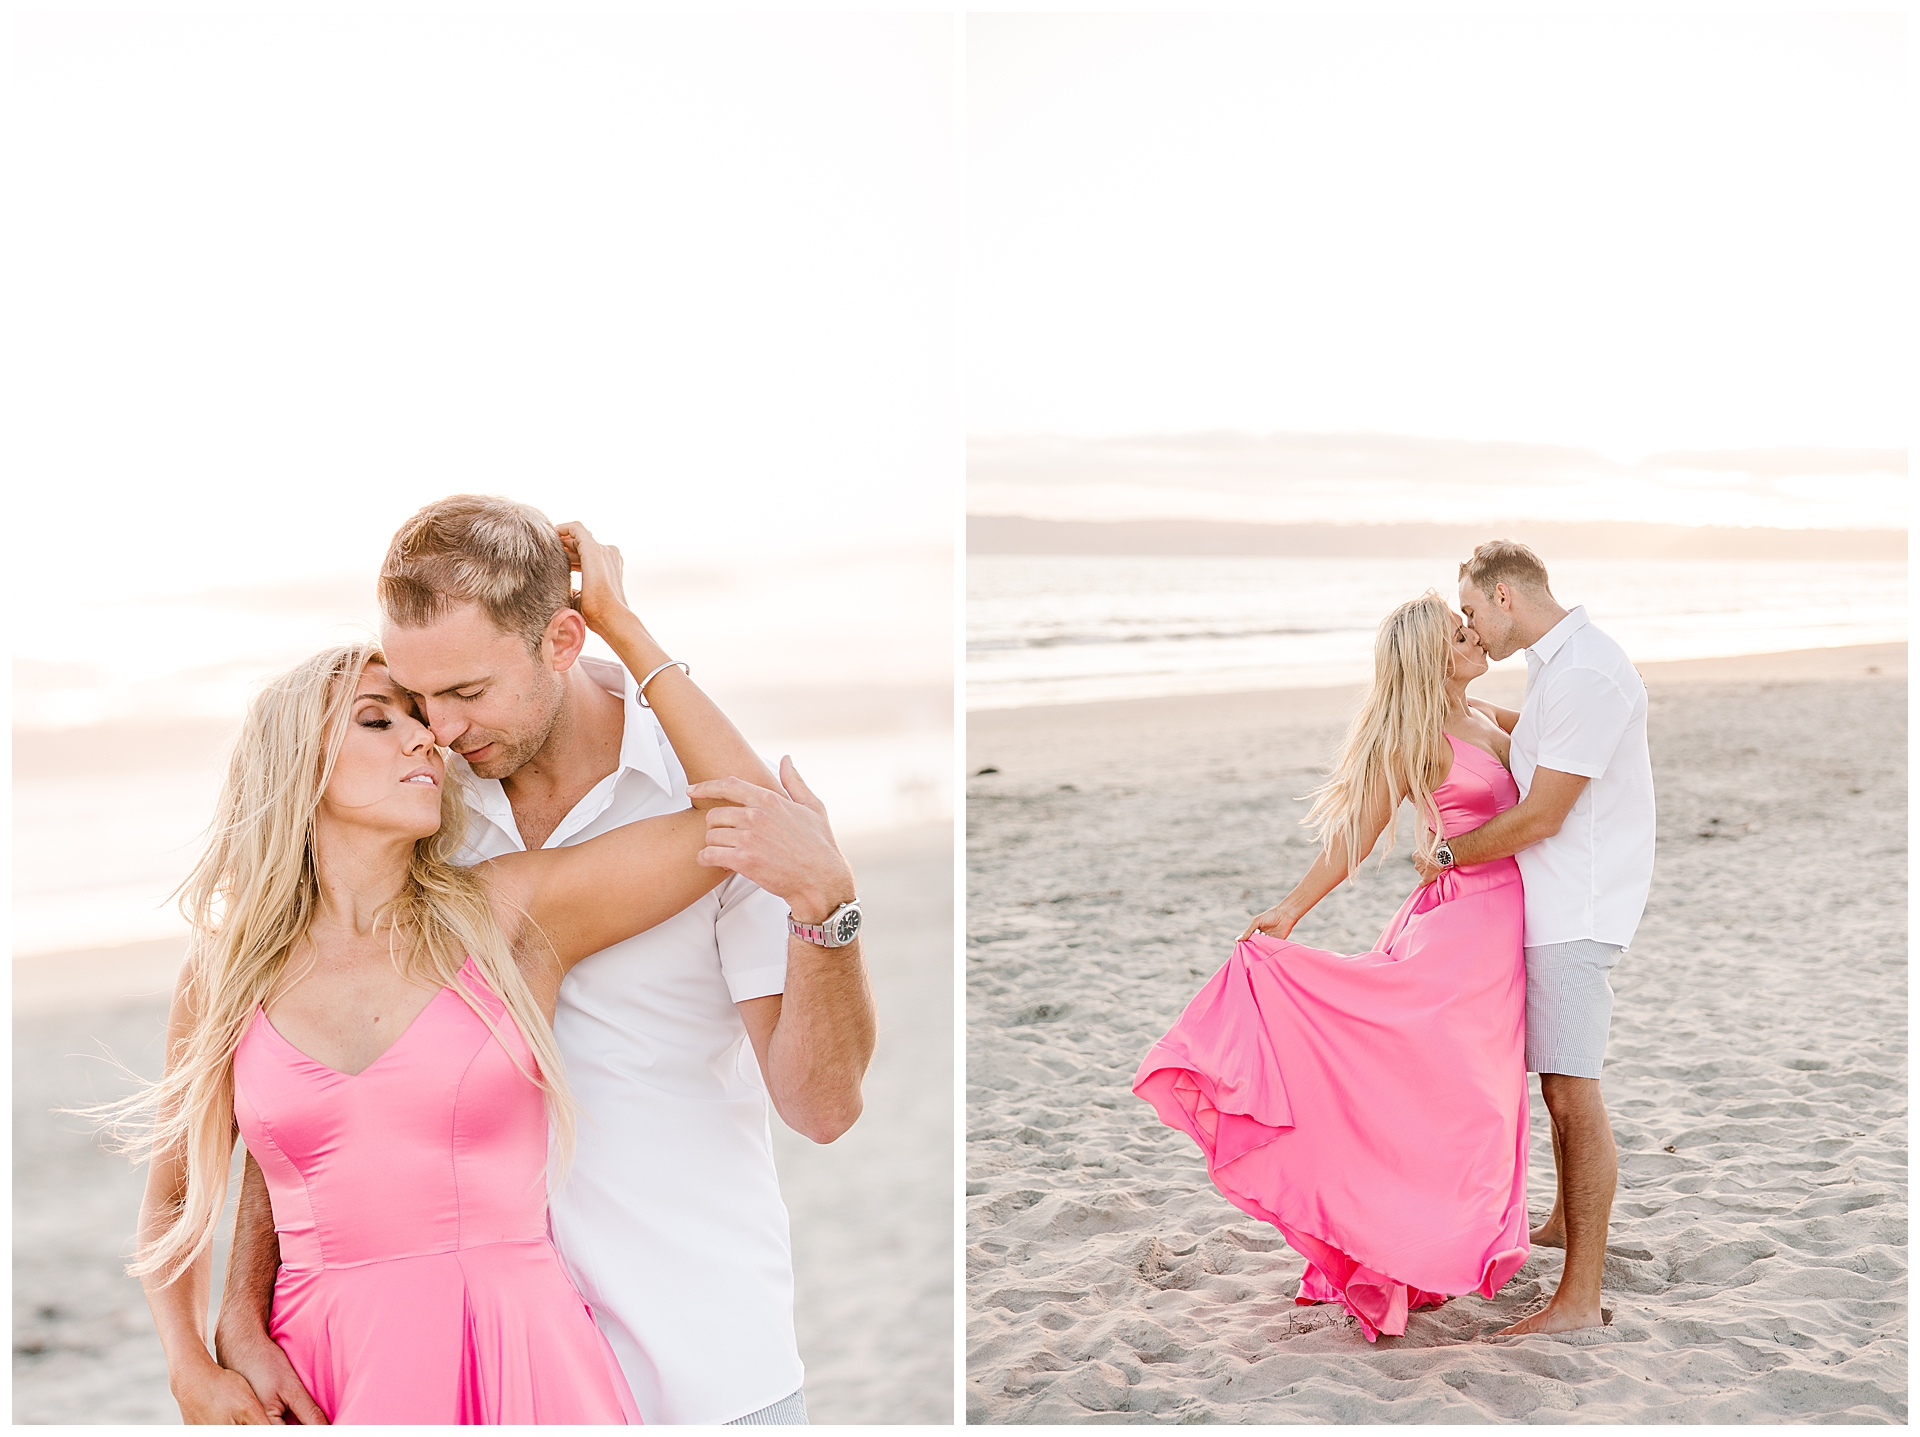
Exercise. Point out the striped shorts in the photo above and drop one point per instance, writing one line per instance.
(1569, 1006)
(789, 1411)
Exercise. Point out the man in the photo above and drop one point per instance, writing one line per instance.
(670, 1220)
(1583, 836)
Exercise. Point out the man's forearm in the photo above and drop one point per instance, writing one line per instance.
(1501, 836)
(246, 1300)
(823, 1040)
(1537, 816)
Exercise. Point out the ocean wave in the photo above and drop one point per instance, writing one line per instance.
(1056, 641)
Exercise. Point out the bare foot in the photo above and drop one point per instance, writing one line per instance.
(1557, 1317)
(1549, 1234)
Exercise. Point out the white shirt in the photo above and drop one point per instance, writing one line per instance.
(670, 1220)
(1585, 712)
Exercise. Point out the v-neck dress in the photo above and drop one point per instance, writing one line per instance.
(417, 1280)
(1373, 1106)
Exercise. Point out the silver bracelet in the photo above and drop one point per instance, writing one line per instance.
(669, 664)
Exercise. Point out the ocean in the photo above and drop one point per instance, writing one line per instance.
(1077, 628)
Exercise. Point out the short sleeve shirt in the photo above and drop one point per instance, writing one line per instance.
(670, 1220)
(1585, 713)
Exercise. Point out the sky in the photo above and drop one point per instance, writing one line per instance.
(279, 275)
(1625, 234)
(283, 276)
(1384, 478)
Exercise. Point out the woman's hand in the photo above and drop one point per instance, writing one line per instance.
(212, 1396)
(603, 594)
(1277, 921)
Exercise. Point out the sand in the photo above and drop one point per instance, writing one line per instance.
(1756, 1079)
(872, 1214)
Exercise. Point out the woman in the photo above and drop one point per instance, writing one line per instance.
(376, 1023)
(1373, 1107)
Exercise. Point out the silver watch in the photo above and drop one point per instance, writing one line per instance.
(836, 930)
(1444, 852)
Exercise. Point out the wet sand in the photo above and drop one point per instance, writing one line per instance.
(1756, 1078)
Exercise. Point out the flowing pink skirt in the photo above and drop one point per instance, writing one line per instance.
(1372, 1107)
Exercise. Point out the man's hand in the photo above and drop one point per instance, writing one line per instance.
(602, 572)
(273, 1380)
(211, 1396)
(1427, 867)
(780, 841)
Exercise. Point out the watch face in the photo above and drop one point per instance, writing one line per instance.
(848, 925)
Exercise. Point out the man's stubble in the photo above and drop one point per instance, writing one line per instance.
(516, 750)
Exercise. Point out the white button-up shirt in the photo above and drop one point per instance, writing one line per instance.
(670, 1220)
(1585, 712)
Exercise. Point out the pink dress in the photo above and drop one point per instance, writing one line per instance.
(417, 1282)
(1373, 1107)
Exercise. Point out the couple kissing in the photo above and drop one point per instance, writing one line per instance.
(1373, 1106)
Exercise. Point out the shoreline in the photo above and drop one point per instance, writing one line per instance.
(1057, 732)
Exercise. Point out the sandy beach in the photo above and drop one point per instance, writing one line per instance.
(872, 1215)
(1756, 1269)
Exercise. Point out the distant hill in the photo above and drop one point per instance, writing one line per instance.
(1007, 534)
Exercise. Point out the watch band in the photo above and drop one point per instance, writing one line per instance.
(836, 930)
(1444, 852)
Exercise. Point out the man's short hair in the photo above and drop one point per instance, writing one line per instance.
(1501, 561)
(477, 549)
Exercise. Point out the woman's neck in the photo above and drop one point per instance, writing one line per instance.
(1456, 698)
(359, 874)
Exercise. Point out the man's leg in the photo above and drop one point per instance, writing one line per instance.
(1553, 1232)
(1569, 1012)
(1589, 1169)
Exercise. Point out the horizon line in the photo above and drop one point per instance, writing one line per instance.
(1599, 447)
(1441, 524)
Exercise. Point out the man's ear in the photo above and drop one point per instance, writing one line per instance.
(564, 640)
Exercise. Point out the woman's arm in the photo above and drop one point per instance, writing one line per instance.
(1327, 872)
(205, 1391)
(593, 894)
(704, 740)
(1506, 718)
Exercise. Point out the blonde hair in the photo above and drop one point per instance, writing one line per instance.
(479, 549)
(1398, 735)
(254, 894)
